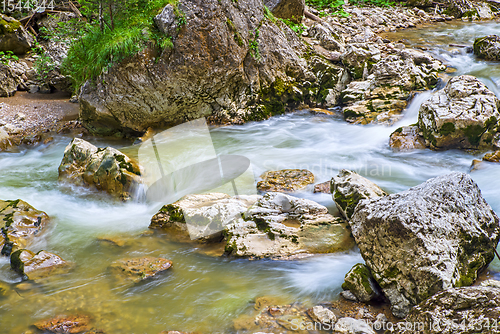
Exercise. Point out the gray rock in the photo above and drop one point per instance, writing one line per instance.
(464, 115)
(474, 309)
(487, 47)
(360, 57)
(193, 80)
(349, 188)
(430, 238)
(328, 37)
(493, 283)
(287, 9)
(13, 36)
(360, 283)
(105, 169)
(322, 315)
(167, 21)
(353, 326)
(8, 81)
(214, 211)
(349, 295)
(281, 226)
(407, 138)
(469, 9)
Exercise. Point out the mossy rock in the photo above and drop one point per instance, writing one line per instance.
(360, 282)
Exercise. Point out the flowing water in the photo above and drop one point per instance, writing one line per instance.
(203, 292)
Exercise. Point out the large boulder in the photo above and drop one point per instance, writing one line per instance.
(465, 310)
(105, 169)
(470, 9)
(35, 266)
(487, 47)
(349, 188)
(229, 62)
(19, 224)
(286, 180)
(464, 115)
(8, 81)
(430, 238)
(385, 81)
(203, 217)
(13, 36)
(283, 226)
(292, 10)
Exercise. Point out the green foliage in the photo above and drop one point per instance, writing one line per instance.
(7, 56)
(378, 3)
(65, 30)
(43, 65)
(335, 6)
(298, 28)
(120, 34)
(269, 15)
(253, 44)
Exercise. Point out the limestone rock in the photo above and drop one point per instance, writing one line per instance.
(139, 269)
(353, 326)
(213, 212)
(8, 81)
(407, 138)
(430, 238)
(286, 180)
(360, 283)
(39, 265)
(105, 169)
(227, 72)
(287, 9)
(470, 9)
(323, 188)
(474, 309)
(7, 144)
(13, 36)
(349, 188)
(492, 157)
(19, 224)
(419, 3)
(166, 21)
(360, 57)
(328, 38)
(65, 324)
(462, 115)
(322, 315)
(283, 226)
(487, 47)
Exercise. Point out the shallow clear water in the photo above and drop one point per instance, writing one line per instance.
(203, 292)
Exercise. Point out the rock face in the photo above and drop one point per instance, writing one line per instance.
(349, 188)
(286, 180)
(464, 114)
(287, 9)
(469, 8)
(13, 36)
(19, 224)
(214, 211)
(385, 81)
(360, 283)
(105, 169)
(139, 269)
(429, 238)
(38, 265)
(474, 309)
(280, 225)
(229, 62)
(487, 47)
(8, 81)
(407, 138)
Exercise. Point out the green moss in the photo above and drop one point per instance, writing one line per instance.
(491, 123)
(348, 113)
(15, 261)
(9, 27)
(128, 166)
(474, 133)
(447, 129)
(398, 130)
(359, 276)
(174, 212)
(347, 203)
(237, 36)
(391, 273)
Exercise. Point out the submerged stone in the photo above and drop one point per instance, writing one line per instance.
(286, 180)
(139, 269)
(66, 324)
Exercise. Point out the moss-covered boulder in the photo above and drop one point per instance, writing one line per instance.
(286, 180)
(470, 9)
(487, 47)
(463, 115)
(430, 238)
(466, 310)
(34, 266)
(360, 283)
(349, 188)
(13, 36)
(138, 269)
(385, 85)
(287, 9)
(105, 169)
(283, 226)
(202, 217)
(19, 224)
(407, 138)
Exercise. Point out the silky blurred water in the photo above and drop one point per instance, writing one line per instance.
(203, 292)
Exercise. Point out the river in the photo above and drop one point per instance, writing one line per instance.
(205, 293)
